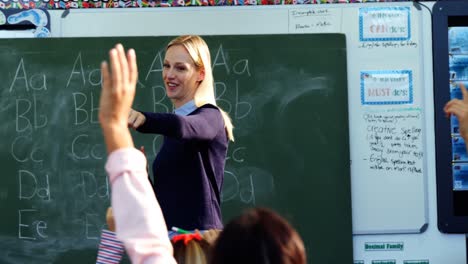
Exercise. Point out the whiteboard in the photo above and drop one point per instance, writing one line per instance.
(385, 88)
(386, 96)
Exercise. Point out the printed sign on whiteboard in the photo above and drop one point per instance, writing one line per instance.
(386, 87)
(384, 24)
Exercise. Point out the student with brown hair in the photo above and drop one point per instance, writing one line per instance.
(259, 236)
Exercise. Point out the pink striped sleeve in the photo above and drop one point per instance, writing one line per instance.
(139, 221)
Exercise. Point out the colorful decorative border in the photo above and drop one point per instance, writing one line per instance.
(37, 20)
(70, 4)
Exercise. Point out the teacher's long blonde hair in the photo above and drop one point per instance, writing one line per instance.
(198, 50)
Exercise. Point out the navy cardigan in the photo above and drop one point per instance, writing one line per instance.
(189, 168)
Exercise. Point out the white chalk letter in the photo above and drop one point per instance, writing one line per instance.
(21, 225)
(160, 65)
(24, 77)
(78, 63)
(220, 55)
(21, 116)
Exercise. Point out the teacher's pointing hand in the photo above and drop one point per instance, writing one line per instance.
(135, 119)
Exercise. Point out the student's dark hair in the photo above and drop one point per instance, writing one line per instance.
(259, 236)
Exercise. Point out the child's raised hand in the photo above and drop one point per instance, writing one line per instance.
(119, 80)
(459, 108)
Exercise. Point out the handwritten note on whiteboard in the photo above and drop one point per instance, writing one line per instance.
(314, 20)
(394, 141)
(390, 159)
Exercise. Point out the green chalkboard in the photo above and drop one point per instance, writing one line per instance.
(286, 94)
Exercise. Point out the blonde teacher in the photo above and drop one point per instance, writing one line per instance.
(189, 168)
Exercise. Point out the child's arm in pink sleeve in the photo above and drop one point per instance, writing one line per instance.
(139, 221)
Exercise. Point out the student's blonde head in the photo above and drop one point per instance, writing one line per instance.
(200, 54)
(194, 252)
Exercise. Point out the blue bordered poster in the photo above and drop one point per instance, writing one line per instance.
(386, 87)
(384, 24)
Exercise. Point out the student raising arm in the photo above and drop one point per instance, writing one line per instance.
(139, 221)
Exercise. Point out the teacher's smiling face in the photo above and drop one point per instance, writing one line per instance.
(180, 75)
